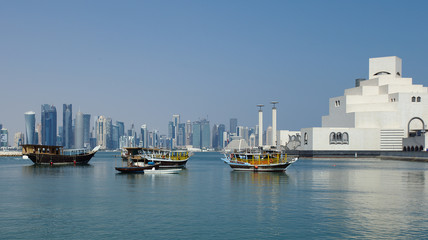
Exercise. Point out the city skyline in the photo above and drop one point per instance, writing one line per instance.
(142, 62)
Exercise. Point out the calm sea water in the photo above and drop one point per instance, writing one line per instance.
(314, 199)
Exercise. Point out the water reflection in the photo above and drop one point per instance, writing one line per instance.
(47, 170)
(259, 178)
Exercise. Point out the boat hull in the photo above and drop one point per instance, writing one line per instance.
(137, 169)
(167, 163)
(242, 166)
(60, 159)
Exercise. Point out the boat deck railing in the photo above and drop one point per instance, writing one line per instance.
(259, 159)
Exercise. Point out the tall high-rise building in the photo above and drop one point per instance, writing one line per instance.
(176, 121)
(221, 129)
(79, 131)
(197, 135)
(206, 134)
(86, 130)
(188, 133)
(115, 136)
(104, 132)
(19, 139)
(181, 134)
(233, 125)
(4, 137)
(67, 130)
(30, 128)
(121, 126)
(171, 130)
(201, 134)
(215, 136)
(49, 124)
(144, 136)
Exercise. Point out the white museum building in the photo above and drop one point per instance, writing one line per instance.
(386, 112)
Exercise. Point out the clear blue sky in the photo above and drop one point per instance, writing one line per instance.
(142, 61)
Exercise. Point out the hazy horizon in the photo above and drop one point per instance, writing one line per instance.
(141, 62)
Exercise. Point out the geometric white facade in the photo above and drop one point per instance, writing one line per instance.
(374, 115)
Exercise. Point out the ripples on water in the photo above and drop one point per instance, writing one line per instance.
(352, 198)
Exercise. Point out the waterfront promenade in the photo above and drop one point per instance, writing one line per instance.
(10, 153)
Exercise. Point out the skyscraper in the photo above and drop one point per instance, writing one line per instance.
(79, 131)
(121, 126)
(233, 125)
(215, 134)
(115, 136)
(206, 134)
(86, 130)
(221, 129)
(30, 127)
(197, 134)
(175, 121)
(201, 134)
(144, 136)
(189, 135)
(4, 137)
(181, 134)
(48, 124)
(104, 132)
(19, 139)
(67, 130)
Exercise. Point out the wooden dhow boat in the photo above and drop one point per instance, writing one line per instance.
(165, 157)
(47, 154)
(258, 161)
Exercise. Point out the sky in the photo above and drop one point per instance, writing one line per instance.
(140, 62)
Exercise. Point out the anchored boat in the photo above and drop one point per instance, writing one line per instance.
(47, 154)
(258, 161)
(166, 158)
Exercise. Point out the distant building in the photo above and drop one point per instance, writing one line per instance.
(49, 125)
(79, 131)
(86, 130)
(181, 134)
(104, 132)
(176, 122)
(189, 136)
(4, 137)
(30, 128)
(39, 133)
(221, 130)
(215, 137)
(121, 126)
(67, 131)
(233, 125)
(19, 139)
(384, 112)
(144, 136)
(197, 134)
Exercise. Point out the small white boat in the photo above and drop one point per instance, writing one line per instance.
(162, 171)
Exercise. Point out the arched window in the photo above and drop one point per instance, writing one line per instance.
(332, 138)
(413, 99)
(421, 148)
(416, 148)
(345, 137)
(339, 138)
(404, 149)
(412, 149)
(418, 99)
